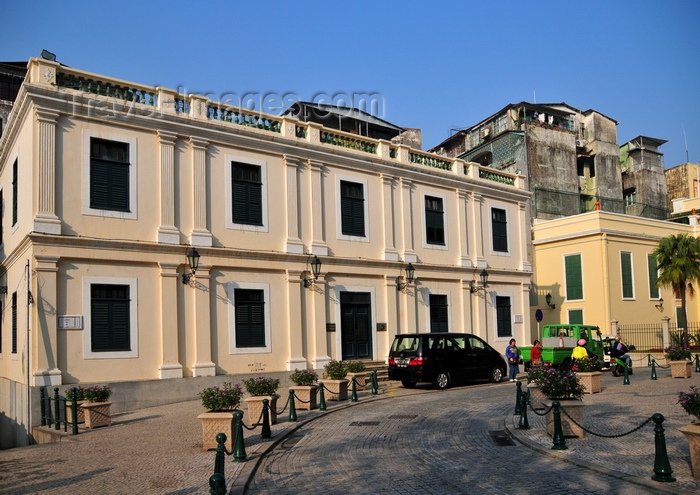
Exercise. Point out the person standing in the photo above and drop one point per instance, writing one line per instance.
(536, 353)
(513, 357)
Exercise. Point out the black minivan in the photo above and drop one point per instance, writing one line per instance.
(443, 358)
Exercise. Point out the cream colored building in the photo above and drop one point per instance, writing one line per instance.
(107, 184)
(598, 268)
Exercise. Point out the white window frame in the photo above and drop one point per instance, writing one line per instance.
(229, 158)
(622, 286)
(505, 207)
(445, 221)
(568, 314)
(231, 292)
(338, 213)
(132, 141)
(133, 318)
(449, 308)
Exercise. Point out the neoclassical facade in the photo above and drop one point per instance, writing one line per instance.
(106, 185)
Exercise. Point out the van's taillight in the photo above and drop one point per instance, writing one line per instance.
(417, 361)
(392, 361)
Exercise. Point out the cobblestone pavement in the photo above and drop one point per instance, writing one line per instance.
(400, 441)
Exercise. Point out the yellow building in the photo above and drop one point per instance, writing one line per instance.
(108, 184)
(598, 268)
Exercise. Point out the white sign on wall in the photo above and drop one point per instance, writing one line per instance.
(70, 322)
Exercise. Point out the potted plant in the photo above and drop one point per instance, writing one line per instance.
(80, 399)
(535, 373)
(97, 409)
(221, 403)
(356, 370)
(588, 371)
(258, 389)
(304, 389)
(690, 402)
(334, 380)
(566, 388)
(679, 358)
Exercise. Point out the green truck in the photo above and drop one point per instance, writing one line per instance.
(558, 341)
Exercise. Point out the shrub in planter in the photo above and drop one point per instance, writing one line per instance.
(221, 399)
(79, 394)
(537, 372)
(355, 367)
(690, 402)
(335, 370)
(303, 377)
(261, 386)
(587, 365)
(560, 384)
(97, 393)
(677, 353)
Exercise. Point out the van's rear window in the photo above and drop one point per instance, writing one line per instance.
(409, 344)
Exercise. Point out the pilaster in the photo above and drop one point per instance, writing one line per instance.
(389, 218)
(167, 232)
(199, 293)
(45, 219)
(318, 241)
(293, 244)
(170, 366)
(200, 235)
(45, 342)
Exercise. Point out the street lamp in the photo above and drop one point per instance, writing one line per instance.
(193, 262)
(315, 271)
(484, 276)
(548, 299)
(403, 282)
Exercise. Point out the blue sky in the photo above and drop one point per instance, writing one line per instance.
(432, 65)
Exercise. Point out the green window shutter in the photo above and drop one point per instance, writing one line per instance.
(352, 209)
(503, 319)
(576, 316)
(653, 269)
(438, 313)
(434, 221)
(574, 280)
(626, 267)
(15, 191)
(109, 175)
(246, 186)
(109, 320)
(250, 318)
(14, 323)
(499, 230)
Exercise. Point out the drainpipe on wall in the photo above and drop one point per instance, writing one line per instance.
(28, 347)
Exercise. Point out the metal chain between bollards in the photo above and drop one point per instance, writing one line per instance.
(600, 434)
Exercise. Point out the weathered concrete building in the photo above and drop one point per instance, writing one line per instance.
(682, 183)
(643, 180)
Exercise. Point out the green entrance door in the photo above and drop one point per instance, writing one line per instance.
(356, 320)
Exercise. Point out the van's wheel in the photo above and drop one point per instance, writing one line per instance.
(408, 383)
(442, 380)
(497, 374)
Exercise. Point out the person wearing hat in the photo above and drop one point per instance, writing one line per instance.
(619, 350)
(580, 351)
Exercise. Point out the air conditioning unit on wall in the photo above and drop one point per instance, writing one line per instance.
(580, 143)
(485, 133)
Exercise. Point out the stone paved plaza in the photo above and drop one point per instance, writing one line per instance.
(463, 440)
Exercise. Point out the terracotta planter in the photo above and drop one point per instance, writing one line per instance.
(255, 408)
(692, 433)
(97, 414)
(575, 409)
(591, 381)
(336, 389)
(681, 369)
(360, 379)
(69, 412)
(305, 396)
(214, 423)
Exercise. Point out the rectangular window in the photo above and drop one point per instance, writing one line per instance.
(434, 221)
(438, 313)
(503, 319)
(499, 230)
(352, 208)
(246, 186)
(2, 215)
(653, 276)
(109, 175)
(15, 191)
(627, 281)
(110, 314)
(576, 316)
(574, 280)
(250, 317)
(14, 323)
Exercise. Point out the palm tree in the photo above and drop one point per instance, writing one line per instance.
(678, 261)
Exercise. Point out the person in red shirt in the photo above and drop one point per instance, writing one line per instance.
(536, 353)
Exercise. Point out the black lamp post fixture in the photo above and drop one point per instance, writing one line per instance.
(660, 306)
(193, 262)
(315, 270)
(403, 282)
(548, 299)
(474, 288)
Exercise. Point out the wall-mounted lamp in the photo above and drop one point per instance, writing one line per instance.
(548, 299)
(660, 306)
(193, 262)
(315, 271)
(473, 287)
(403, 282)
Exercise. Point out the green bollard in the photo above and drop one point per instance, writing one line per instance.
(217, 484)
(558, 436)
(653, 369)
(626, 381)
(43, 405)
(662, 467)
(56, 410)
(265, 431)
(697, 363)
(220, 454)
(353, 394)
(239, 454)
(292, 407)
(523, 424)
(649, 359)
(375, 383)
(74, 410)
(321, 398)
(518, 393)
